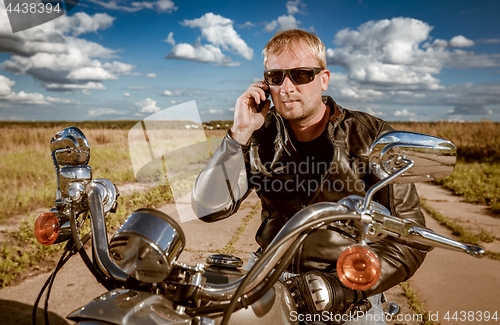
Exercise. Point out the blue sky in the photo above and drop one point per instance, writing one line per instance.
(112, 60)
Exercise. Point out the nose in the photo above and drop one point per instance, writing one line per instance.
(287, 86)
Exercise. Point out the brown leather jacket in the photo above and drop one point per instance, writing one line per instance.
(271, 165)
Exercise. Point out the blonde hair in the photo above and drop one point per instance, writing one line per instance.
(285, 40)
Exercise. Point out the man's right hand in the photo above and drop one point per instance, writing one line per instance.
(247, 117)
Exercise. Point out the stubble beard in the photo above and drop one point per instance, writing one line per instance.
(301, 113)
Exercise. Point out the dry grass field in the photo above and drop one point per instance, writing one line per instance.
(27, 177)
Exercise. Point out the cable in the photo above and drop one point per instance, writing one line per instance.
(70, 248)
(60, 263)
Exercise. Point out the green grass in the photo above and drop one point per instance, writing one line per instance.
(415, 304)
(22, 251)
(476, 182)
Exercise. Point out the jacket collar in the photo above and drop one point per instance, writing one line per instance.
(283, 140)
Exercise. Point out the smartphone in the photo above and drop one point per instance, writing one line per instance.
(263, 103)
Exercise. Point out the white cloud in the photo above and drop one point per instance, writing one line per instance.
(151, 75)
(284, 22)
(167, 93)
(91, 73)
(215, 111)
(395, 53)
(126, 95)
(170, 39)
(288, 22)
(460, 41)
(147, 106)
(271, 26)
(64, 87)
(165, 6)
(403, 112)
(59, 100)
(5, 84)
(292, 7)
(160, 5)
(206, 53)
(220, 32)
(53, 36)
(53, 54)
(82, 23)
(371, 110)
(457, 41)
(27, 98)
(86, 92)
(103, 111)
(6, 94)
(113, 5)
(247, 24)
(119, 68)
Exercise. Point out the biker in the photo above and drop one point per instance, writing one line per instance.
(304, 150)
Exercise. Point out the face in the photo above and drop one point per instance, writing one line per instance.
(293, 101)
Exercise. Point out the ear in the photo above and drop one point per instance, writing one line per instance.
(325, 79)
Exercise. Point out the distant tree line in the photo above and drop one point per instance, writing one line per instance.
(218, 125)
(123, 125)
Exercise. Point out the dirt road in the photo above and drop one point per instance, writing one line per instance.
(454, 285)
(447, 281)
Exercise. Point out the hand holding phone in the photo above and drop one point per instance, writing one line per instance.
(263, 102)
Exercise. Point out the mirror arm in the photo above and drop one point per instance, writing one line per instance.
(379, 185)
(56, 165)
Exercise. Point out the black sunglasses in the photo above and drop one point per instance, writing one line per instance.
(299, 76)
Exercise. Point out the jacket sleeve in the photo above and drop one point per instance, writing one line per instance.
(222, 184)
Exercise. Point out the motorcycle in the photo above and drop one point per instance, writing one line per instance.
(148, 285)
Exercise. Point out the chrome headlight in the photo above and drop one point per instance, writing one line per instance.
(147, 244)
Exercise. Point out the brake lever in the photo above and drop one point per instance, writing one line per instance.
(383, 225)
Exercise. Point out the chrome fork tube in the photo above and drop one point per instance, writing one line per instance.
(100, 238)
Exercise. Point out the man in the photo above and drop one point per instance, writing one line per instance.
(305, 150)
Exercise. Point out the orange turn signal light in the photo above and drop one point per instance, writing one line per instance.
(46, 228)
(358, 268)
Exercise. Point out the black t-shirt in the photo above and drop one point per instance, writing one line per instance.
(317, 153)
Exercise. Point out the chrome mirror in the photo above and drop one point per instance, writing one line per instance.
(71, 147)
(432, 157)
